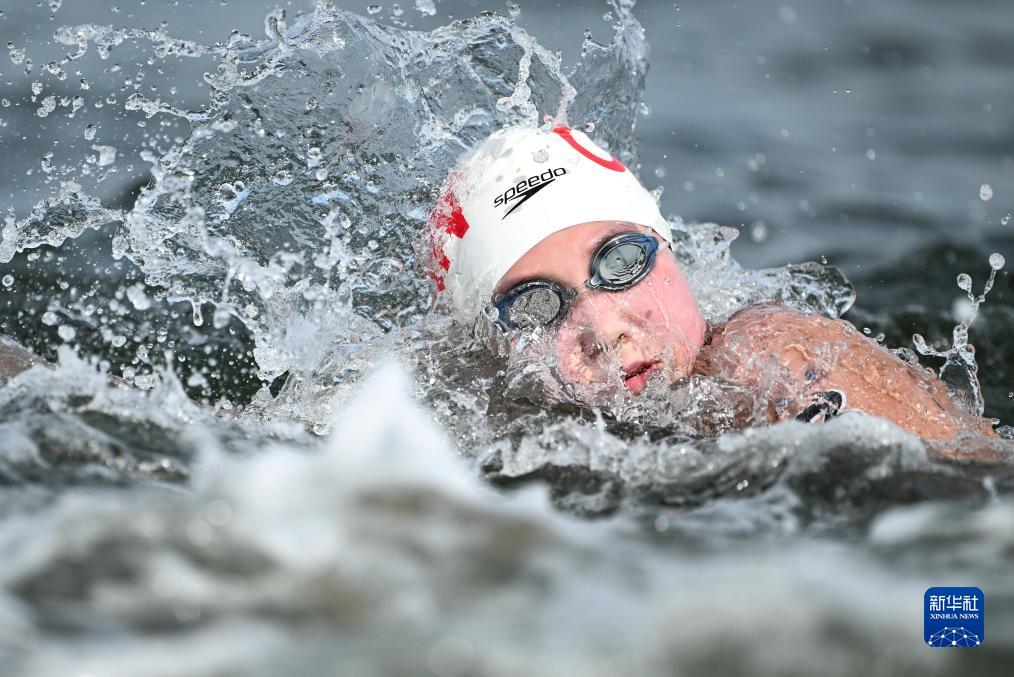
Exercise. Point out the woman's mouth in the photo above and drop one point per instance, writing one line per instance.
(635, 376)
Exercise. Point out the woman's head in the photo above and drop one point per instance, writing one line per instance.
(523, 219)
(653, 325)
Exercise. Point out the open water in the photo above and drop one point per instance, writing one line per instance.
(262, 452)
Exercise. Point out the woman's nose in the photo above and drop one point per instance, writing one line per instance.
(593, 343)
(602, 322)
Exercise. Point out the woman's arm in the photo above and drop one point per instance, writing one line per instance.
(789, 356)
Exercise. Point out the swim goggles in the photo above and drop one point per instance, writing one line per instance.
(618, 264)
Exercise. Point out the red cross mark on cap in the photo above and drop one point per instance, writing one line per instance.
(446, 217)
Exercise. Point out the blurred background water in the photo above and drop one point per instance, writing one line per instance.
(200, 529)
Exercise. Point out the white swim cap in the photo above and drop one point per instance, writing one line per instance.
(518, 187)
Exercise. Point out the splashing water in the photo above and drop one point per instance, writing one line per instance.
(172, 499)
(959, 369)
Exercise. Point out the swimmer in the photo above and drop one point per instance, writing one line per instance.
(544, 234)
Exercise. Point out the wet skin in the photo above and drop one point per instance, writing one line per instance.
(789, 355)
(655, 329)
(655, 326)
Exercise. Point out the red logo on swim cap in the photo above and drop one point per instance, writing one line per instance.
(613, 164)
(446, 217)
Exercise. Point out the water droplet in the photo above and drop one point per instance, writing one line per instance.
(283, 177)
(85, 84)
(47, 107)
(118, 341)
(985, 192)
(107, 155)
(759, 231)
(221, 318)
(137, 297)
(589, 127)
(963, 309)
(871, 154)
(660, 172)
(89, 132)
(17, 56)
(8, 280)
(374, 9)
(49, 318)
(425, 7)
(907, 355)
(54, 69)
(965, 282)
(66, 332)
(996, 261)
(313, 156)
(36, 88)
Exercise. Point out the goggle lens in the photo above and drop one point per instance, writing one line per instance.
(620, 263)
(534, 307)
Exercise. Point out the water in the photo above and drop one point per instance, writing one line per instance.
(260, 452)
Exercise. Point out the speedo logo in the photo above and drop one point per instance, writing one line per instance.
(524, 189)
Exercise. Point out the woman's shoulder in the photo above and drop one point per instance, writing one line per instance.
(766, 339)
(778, 315)
(769, 327)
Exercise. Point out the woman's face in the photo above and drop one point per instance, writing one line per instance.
(651, 330)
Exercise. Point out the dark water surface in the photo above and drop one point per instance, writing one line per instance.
(390, 509)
